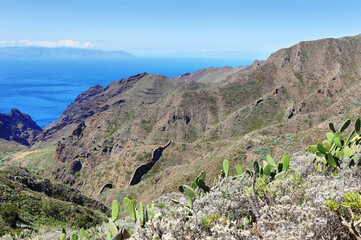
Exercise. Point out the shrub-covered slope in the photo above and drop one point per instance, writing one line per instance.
(282, 104)
(109, 129)
(29, 202)
(287, 198)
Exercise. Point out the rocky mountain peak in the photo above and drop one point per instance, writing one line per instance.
(18, 127)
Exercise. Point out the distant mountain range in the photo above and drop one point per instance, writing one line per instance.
(61, 52)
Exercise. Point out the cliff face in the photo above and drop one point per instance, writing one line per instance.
(18, 127)
(105, 134)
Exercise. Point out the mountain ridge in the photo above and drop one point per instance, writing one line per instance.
(18, 127)
(209, 115)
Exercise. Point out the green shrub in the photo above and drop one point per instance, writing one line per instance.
(331, 152)
(84, 221)
(210, 220)
(10, 215)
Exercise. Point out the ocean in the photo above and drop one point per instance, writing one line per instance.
(43, 88)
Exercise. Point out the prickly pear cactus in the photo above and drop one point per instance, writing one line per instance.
(115, 210)
(226, 167)
(130, 206)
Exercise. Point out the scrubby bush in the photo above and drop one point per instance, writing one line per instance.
(303, 197)
(10, 215)
(84, 221)
(293, 205)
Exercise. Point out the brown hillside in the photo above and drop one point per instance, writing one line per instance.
(236, 113)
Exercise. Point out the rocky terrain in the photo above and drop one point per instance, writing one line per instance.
(18, 127)
(241, 114)
(294, 90)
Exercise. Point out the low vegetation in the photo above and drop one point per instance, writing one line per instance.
(29, 203)
(299, 196)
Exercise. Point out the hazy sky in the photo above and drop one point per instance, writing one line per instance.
(221, 28)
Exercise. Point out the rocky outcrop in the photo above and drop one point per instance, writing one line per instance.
(69, 143)
(93, 101)
(290, 112)
(18, 127)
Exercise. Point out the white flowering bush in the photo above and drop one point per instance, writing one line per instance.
(299, 209)
(300, 199)
(217, 215)
(291, 206)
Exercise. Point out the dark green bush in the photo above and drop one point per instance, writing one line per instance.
(84, 220)
(10, 215)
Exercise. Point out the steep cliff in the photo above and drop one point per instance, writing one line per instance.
(18, 127)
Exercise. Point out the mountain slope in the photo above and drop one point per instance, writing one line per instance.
(240, 114)
(18, 127)
(34, 202)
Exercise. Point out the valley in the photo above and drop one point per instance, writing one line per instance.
(283, 104)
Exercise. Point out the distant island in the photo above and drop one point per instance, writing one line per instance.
(60, 52)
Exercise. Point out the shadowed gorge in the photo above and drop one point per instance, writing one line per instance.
(145, 168)
(108, 185)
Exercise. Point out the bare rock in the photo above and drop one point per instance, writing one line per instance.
(18, 127)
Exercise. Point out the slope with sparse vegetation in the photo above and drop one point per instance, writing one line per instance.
(280, 105)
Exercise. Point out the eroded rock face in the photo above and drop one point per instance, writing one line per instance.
(68, 146)
(78, 131)
(18, 127)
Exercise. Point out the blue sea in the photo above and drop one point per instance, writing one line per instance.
(43, 88)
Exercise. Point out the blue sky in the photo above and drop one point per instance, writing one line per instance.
(203, 28)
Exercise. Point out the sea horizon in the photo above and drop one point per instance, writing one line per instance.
(43, 88)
